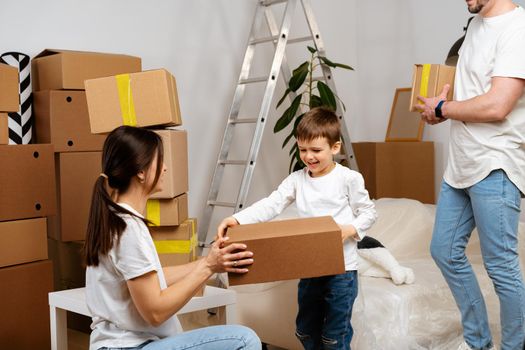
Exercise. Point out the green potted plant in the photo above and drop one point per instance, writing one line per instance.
(310, 94)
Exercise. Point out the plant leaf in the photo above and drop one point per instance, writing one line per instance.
(288, 115)
(312, 49)
(327, 96)
(344, 66)
(315, 101)
(298, 76)
(288, 138)
(297, 120)
(292, 160)
(294, 148)
(282, 98)
(334, 64)
(298, 165)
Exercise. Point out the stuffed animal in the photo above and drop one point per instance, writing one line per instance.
(376, 261)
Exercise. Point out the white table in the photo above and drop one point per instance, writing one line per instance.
(74, 300)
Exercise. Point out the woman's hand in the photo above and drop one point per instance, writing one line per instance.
(223, 226)
(231, 258)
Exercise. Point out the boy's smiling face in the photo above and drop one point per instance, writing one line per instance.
(318, 155)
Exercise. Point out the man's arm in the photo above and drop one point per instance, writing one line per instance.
(492, 106)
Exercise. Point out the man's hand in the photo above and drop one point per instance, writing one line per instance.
(427, 109)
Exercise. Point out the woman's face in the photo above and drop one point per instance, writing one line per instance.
(150, 176)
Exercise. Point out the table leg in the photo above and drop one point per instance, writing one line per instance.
(231, 314)
(58, 323)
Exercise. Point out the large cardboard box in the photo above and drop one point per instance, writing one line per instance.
(23, 241)
(428, 81)
(68, 265)
(76, 173)
(4, 129)
(61, 118)
(175, 144)
(9, 90)
(176, 245)
(25, 307)
(281, 249)
(27, 181)
(139, 99)
(397, 169)
(167, 212)
(62, 69)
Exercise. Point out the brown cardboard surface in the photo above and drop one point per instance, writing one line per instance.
(9, 98)
(27, 181)
(176, 160)
(23, 241)
(397, 169)
(171, 211)
(76, 175)
(68, 265)
(281, 248)
(25, 307)
(61, 118)
(62, 69)
(187, 231)
(438, 77)
(4, 129)
(154, 96)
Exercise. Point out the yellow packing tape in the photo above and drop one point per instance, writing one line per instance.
(425, 76)
(127, 107)
(177, 246)
(153, 211)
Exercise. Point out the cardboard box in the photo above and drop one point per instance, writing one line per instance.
(4, 129)
(9, 96)
(281, 248)
(76, 173)
(62, 69)
(68, 264)
(167, 212)
(397, 169)
(23, 241)
(61, 118)
(139, 99)
(24, 304)
(428, 81)
(176, 160)
(27, 182)
(176, 245)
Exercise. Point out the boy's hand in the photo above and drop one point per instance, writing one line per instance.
(348, 231)
(223, 226)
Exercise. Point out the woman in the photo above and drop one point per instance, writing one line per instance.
(133, 299)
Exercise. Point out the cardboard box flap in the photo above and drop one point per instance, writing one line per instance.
(272, 229)
(49, 52)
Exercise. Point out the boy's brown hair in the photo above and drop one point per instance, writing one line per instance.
(319, 122)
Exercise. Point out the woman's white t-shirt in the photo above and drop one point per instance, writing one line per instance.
(116, 320)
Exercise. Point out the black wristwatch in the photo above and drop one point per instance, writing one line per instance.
(437, 110)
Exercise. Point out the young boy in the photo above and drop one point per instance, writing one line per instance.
(323, 187)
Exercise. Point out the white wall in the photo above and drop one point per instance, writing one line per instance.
(202, 43)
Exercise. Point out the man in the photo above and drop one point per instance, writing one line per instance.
(485, 176)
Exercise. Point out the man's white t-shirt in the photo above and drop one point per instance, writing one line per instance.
(493, 47)
(116, 320)
(340, 194)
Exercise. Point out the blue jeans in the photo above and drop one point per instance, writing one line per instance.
(325, 310)
(208, 338)
(493, 206)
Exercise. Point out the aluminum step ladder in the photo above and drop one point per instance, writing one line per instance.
(279, 36)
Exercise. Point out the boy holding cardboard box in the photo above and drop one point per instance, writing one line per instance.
(323, 187)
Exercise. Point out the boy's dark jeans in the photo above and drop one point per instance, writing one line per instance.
(325, 310)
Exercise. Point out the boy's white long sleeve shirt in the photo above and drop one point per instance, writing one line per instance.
(340, 194)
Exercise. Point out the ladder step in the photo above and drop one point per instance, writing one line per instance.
(272, 2)
(276, 37)
(233, 162)
(253, 80)
(245, 120)
(221, 204)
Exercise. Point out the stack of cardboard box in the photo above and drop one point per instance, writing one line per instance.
(27, 197)
(149, 99)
